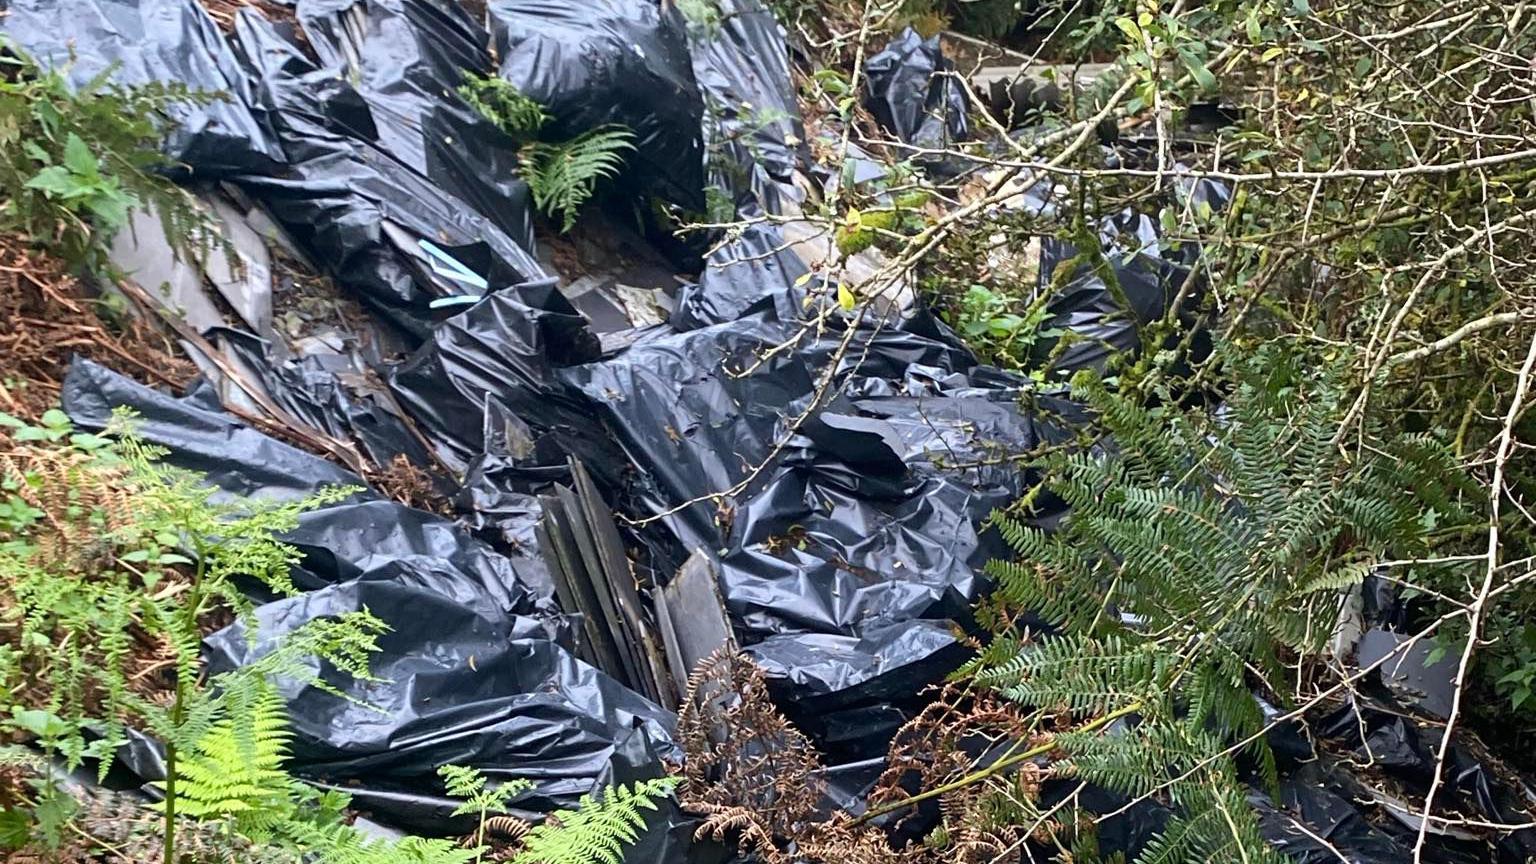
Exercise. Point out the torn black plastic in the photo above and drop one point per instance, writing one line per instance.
(156, 41)
(611, 61)
(363, 209)
(911, 92)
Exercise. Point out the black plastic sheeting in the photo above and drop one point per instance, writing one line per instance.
(611, 61)
(476, 668)
(861, 463)
(1104, 321)
(753, 136)
(850, 550)
(150, 41)
(487, 394)
(329, 392)
(751, 274)
(912, 95)
(373, 171)
(357, 174)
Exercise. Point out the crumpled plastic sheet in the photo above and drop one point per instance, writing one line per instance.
(752, 127)
(1378, 732)
(1150, 270)
(844, 560)
(374, 170)
(476, 669)
(155, 41)
(233, 456)
(611, 61)
(753, 273)
(358, 174)
(911, 95)
(486, 392)
(410, 56)
(326, 392)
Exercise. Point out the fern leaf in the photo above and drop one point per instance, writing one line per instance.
(597, 831)
(563, 176)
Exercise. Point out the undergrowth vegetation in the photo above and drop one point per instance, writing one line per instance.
(75, 160)
(114, 566)
(561, 175)
(1317, 426)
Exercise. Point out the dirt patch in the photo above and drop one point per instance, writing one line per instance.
(47, 317)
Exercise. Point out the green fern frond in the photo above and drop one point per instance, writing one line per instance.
(1214, 824)
(563, 176)
(1087, 675)
(597, 831)
(499, 101)
(235, 769)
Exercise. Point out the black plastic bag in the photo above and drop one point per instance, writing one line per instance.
(911, 93)
(147, 41)
(233, 456)
(486, 392)
(361, 209)
(752, 130)
(598, 62)
(329, 393)
(847, 555)
(1151, 273)
(408, 57)
(753, 273)
(476, 669)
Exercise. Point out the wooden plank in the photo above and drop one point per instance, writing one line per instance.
(594, 578)
(584, 598)
(586, 647)
(614, 565)
(699, 619)
(669, 641)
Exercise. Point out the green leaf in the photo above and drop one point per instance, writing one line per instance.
(55, 180)
(43, 724)
(1130, 29)
(845, 297)
(1271, 53)
(15, 829)
(36, 153)
(79, 158)
(1255, 33)
(87, 441)
(1199, 70)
